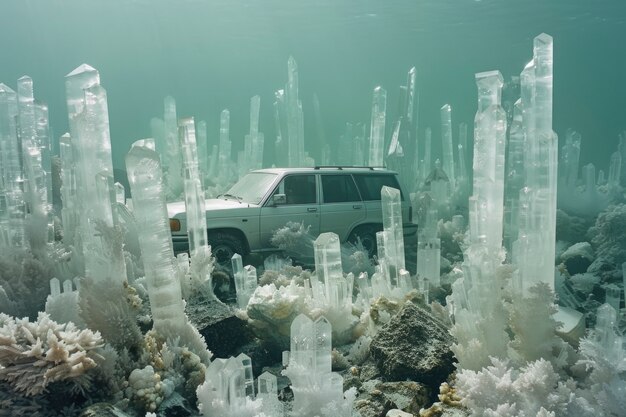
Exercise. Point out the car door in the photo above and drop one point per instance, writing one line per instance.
(369, 186)
(341, 207)
(301, 206)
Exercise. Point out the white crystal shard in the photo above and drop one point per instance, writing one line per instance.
(446, 144)
(309, 369)
(329, 286)
(294, 116)
(36, 189)
(514, 176)
(12, 206)
(172, 157)
(427, 151)
(394, 236)
(146, 180)
(224, 145)
(194, 196)
(377, 129)
(82, 77)
(534, 250)
(268, 393)
(69, 214)
(202, 144)
(254, 141)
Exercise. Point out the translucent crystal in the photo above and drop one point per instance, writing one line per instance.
(202, 144)
(69, 215)
(35, 174)
(309, 368)
(146, 180)
(393, 226)
(194, 196)
(377, 129)
(225, 145)
(12, 205)
(446, 144)
(172, 158)
(429, 260)
(254, 141)
(328, 268)
(120, 193)
(537, 224)
(427, 151)
(295, 118)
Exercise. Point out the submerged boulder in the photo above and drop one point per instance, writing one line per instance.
(414, 345)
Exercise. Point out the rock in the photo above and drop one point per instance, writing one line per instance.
(223, 331)
(577, 258)
(414, 345)
(376, 397)
(103, 410)
(398, 413)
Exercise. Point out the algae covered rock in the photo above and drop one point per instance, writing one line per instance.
(414, 345)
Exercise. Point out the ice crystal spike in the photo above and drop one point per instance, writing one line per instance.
(82, 77)
(146, 180)
(489, 88)
(393, 236)
(377, 127)
(194, 196)
(410, 95)
(172, 158)
(427, 152)
(446, 144)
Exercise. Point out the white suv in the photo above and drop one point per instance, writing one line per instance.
(344, 200)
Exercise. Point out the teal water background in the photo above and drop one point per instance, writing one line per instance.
(215, 54)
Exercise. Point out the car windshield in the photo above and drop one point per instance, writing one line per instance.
(252, 187)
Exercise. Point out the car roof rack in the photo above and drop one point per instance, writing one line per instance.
(341, 167)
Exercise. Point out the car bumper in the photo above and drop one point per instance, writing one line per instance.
(409, 229)
(180, 243)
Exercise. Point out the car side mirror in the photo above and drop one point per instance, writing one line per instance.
(279, 199)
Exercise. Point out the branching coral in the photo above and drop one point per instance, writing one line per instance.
(532, 323)
(112, 310)
(36, 354)
(532, 391)
(25, 280)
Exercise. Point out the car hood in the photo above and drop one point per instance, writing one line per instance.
(211, 204)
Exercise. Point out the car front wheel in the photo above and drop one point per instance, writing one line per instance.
(367, 235)
(224, 246)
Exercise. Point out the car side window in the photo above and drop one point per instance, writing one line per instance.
(371, 184)
(299, 189)
(339, 189)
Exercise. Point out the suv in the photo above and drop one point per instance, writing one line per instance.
(343, 200)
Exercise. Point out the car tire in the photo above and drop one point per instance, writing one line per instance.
(367, 235)
(224, 246)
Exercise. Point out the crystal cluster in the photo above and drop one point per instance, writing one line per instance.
(315, 387)
(228, 390)
(245, 280)
(25, 169)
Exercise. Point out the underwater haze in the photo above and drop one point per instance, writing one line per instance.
(216, 54)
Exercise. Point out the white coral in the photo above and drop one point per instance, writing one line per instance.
(35, 354)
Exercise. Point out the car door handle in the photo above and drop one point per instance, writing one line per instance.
(357, 206)
(311, 209)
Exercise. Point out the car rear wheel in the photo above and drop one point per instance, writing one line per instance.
(224, 246)
(367, 235)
